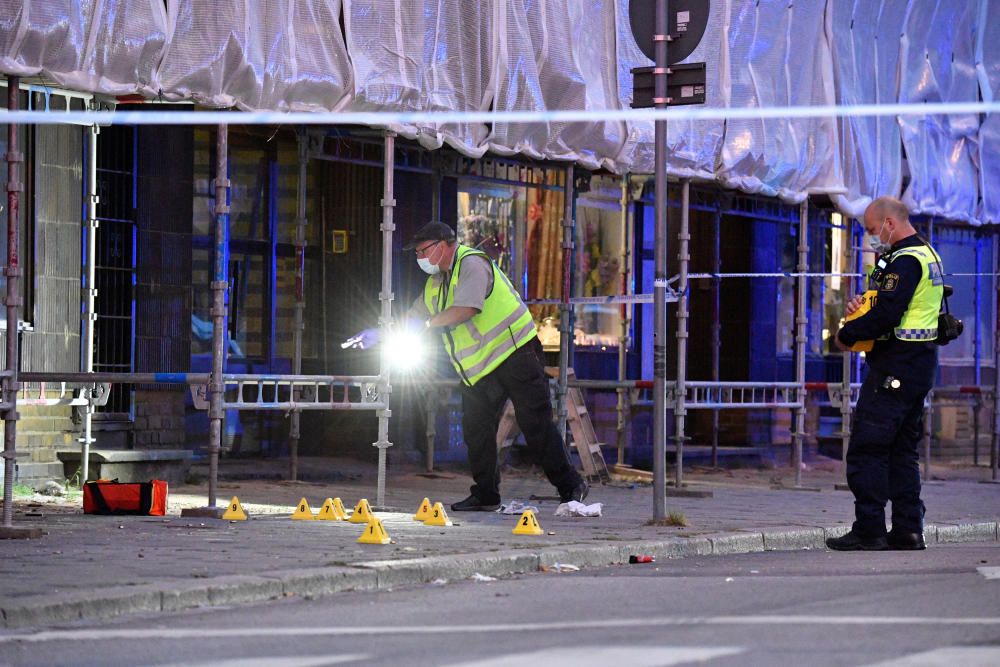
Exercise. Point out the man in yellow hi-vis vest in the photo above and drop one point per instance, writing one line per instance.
(493, 345)
(882, 459)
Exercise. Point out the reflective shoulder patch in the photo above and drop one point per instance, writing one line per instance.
(934, 271)
(889, 282)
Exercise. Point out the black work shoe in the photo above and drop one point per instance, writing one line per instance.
(902, 541)
(474, 504)
(578, 493)
(854, 542)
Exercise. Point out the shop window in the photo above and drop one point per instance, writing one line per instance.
(600, 248)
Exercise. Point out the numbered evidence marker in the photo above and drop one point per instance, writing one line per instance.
(438, 516)
(528, 525)
(867, 301)
(235, 511)
(302, 512)
(362, 512)
(338, 506)
(374, 533)
(328, 512)
(424, 511)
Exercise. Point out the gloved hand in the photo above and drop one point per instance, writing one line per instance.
(363, 339)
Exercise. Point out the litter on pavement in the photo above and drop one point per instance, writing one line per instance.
(574, 508)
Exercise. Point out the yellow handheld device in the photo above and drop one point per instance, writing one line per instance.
(867, 301)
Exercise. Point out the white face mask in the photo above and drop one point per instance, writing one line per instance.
(427, 266)
(876, 242)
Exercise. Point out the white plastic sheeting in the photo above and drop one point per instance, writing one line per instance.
(424, 55)
(866, 57)
(780, 56)
(937, 65)
(557, 54)
(572, 54)
(988, 64)
(693, 145)
(108, 46)
(285, 55)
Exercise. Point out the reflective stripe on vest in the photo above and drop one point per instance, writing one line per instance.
(483, 342)
(920, 320)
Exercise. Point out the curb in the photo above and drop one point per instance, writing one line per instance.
(50, 609)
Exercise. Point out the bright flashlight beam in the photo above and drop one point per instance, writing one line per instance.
(404, 350)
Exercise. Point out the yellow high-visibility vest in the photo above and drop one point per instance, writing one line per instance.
(480, 344)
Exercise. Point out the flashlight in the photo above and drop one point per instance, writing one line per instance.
(404, 349)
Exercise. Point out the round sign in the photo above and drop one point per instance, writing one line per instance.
(688, 20)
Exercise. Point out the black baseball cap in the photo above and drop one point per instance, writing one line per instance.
(432, 231)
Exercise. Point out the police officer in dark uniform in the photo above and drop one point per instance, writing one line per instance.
(882, 459)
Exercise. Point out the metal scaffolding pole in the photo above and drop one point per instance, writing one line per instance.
(300, 303)
(624, 341)
(929, 401)
(800, 340)
(847, 358)
(660, 100)
(566, 310)
(220, 290)
(13, 303)
(977, 346)
(995, 448)
(683, 256)
(716, 321)
(90, 295)
(385, 298)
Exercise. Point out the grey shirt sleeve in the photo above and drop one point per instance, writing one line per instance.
(475, 279)
(418, 310)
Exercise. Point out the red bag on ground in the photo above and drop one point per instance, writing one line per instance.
(114, 497)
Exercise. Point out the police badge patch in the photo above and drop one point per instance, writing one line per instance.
(889, 282)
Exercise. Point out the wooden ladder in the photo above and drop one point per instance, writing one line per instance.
(581, 431)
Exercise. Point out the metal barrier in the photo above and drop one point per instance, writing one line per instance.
(295, 392)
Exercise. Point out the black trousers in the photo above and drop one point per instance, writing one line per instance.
(521, 377)
(882, 458)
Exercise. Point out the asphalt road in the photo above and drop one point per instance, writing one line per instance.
(937, 607)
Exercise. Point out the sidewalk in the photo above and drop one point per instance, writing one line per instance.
(89, 567)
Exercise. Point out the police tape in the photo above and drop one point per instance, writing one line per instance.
(603, 300)
(388, 117)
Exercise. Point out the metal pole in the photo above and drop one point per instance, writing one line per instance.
(929, 403)
(90, 294)
(220, 295)
(995, 449)
(624, 341)
(300, 303)
(977, 346)
(385, 297)
(660, 37)
(13, 303)
(683, 256)
(847, 360)
(566, 310)
(716, 322)
(800, 340)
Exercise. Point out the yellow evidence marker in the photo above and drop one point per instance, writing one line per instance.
(328, 512)
(235, 511)
(867, 301)
(374, 533)
(302, 512)
(338, 506)
(438, 516)
(362, 512)
(528, 525)
(424, 511)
